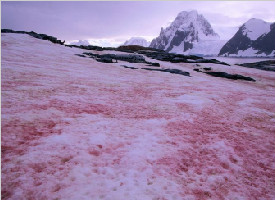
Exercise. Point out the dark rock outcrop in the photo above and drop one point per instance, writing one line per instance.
(246, 38)
(178, 58)
(108, 58)
(230, 76)
(134, 48)
(92, 47)
(153, 64)
(127, 67)
(172, 71)
(238, 42)
(268, 65)
(266, 43)
(35, 35)
(80, 55)
(197, 70)
(105, 60)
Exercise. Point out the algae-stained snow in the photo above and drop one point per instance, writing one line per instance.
(73, 128)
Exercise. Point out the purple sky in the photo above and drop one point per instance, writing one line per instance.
(114, 22)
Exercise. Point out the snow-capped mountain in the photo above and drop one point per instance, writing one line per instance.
(80, 42)
(104, 42)
(254, 38)
(137, 41)
(189, 33)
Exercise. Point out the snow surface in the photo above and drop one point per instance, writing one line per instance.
(137, 41)
(250, 52)
(203, 47)
(254, 28)
(73, 128)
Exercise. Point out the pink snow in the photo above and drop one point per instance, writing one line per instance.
(73, 128)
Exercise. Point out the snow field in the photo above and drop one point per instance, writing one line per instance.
(73, 128)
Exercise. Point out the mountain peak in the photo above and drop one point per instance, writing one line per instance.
(254, 38)
(187, 29)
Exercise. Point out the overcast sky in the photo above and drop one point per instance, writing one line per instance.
(114, 22)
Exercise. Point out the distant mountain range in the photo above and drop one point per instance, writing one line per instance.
(191, 34)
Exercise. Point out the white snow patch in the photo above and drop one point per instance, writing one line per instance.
(197, 100)
(248, 53)
(203, 47)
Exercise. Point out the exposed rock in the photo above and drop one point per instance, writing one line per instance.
(230, 76)
(254, 38)
(104, 60)
(92, 55)
(172, 71)
(128, 67)
(268, 65)
(36, 35)
(153, 64)
(207, 68)
(132, 58)
(107, 58)
(197, 70)
(177, 58)
(92, 47)
(80, 55)
(134, 48)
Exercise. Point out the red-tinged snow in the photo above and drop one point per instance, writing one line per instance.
(73, 128)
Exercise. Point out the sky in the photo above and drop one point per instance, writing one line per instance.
(111, 23)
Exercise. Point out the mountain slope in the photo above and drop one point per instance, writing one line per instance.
(184, 33)
(254, 38)
(137, 41)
